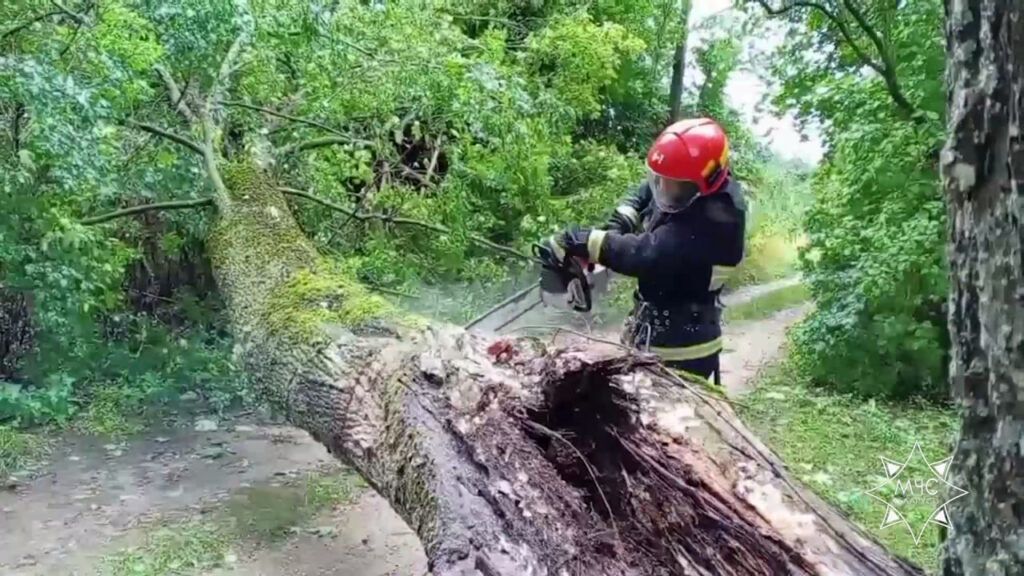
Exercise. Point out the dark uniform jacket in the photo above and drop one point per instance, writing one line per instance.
(681, 261)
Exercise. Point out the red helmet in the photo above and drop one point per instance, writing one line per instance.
(694, 154)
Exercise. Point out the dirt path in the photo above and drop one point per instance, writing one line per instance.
(751, 346)
(95, 497)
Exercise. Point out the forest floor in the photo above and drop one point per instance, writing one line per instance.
(242, 495)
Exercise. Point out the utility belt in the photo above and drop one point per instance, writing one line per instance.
(677, 332)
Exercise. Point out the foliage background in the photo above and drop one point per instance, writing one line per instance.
(874, 258)
(507, 120)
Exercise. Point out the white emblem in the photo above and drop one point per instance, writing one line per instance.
(658, 157)
(916, 481)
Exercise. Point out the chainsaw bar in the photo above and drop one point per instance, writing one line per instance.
(508, 311)
(566, 285)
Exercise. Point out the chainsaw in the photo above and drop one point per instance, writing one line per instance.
(569, 283)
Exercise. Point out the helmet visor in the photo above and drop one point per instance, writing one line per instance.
(672, 195)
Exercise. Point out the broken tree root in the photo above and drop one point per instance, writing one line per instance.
(653, 492)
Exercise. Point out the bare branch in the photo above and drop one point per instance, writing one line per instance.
(174, 205)
(19, 111)
(175, 94)
(284, 116)
(210, 163)
(433, 158)
(227, 66)
(391, 291)
(354, 46)
(208, 151)
(415, 175)
(191, 145)
(402, 221)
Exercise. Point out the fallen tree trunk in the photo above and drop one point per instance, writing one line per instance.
(508, 458)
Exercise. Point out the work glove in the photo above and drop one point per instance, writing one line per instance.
(572, 242)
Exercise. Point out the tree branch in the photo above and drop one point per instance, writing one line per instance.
(832, 17)
(174, 205)
(191, 145)
(886, 69)
(221, 196)
(888, 63)
(175, 94)
(433, 158)
(19, 110)
(64, 10)
(30, 22)
(402, 221)
(415, 175)
(356, 47)
(227, 66)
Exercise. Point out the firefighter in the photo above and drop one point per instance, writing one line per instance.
(680, 234)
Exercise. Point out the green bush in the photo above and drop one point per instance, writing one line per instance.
(874, 259)
(876, 267)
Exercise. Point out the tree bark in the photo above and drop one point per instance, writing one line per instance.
(675, 95)
(983, 176)
(507, 457)
(17, 334)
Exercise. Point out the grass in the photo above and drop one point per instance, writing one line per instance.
(113, 411)
(256, 515)
(19, 451)
(767, 304)
(833, 443)
(184, 548)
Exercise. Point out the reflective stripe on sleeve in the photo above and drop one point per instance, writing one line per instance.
(719, 275)
(630, 213)
(594, 245)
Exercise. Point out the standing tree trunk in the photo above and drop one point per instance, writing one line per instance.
(675, 94)
(16, 331)
(983, 176)
(507, 457)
